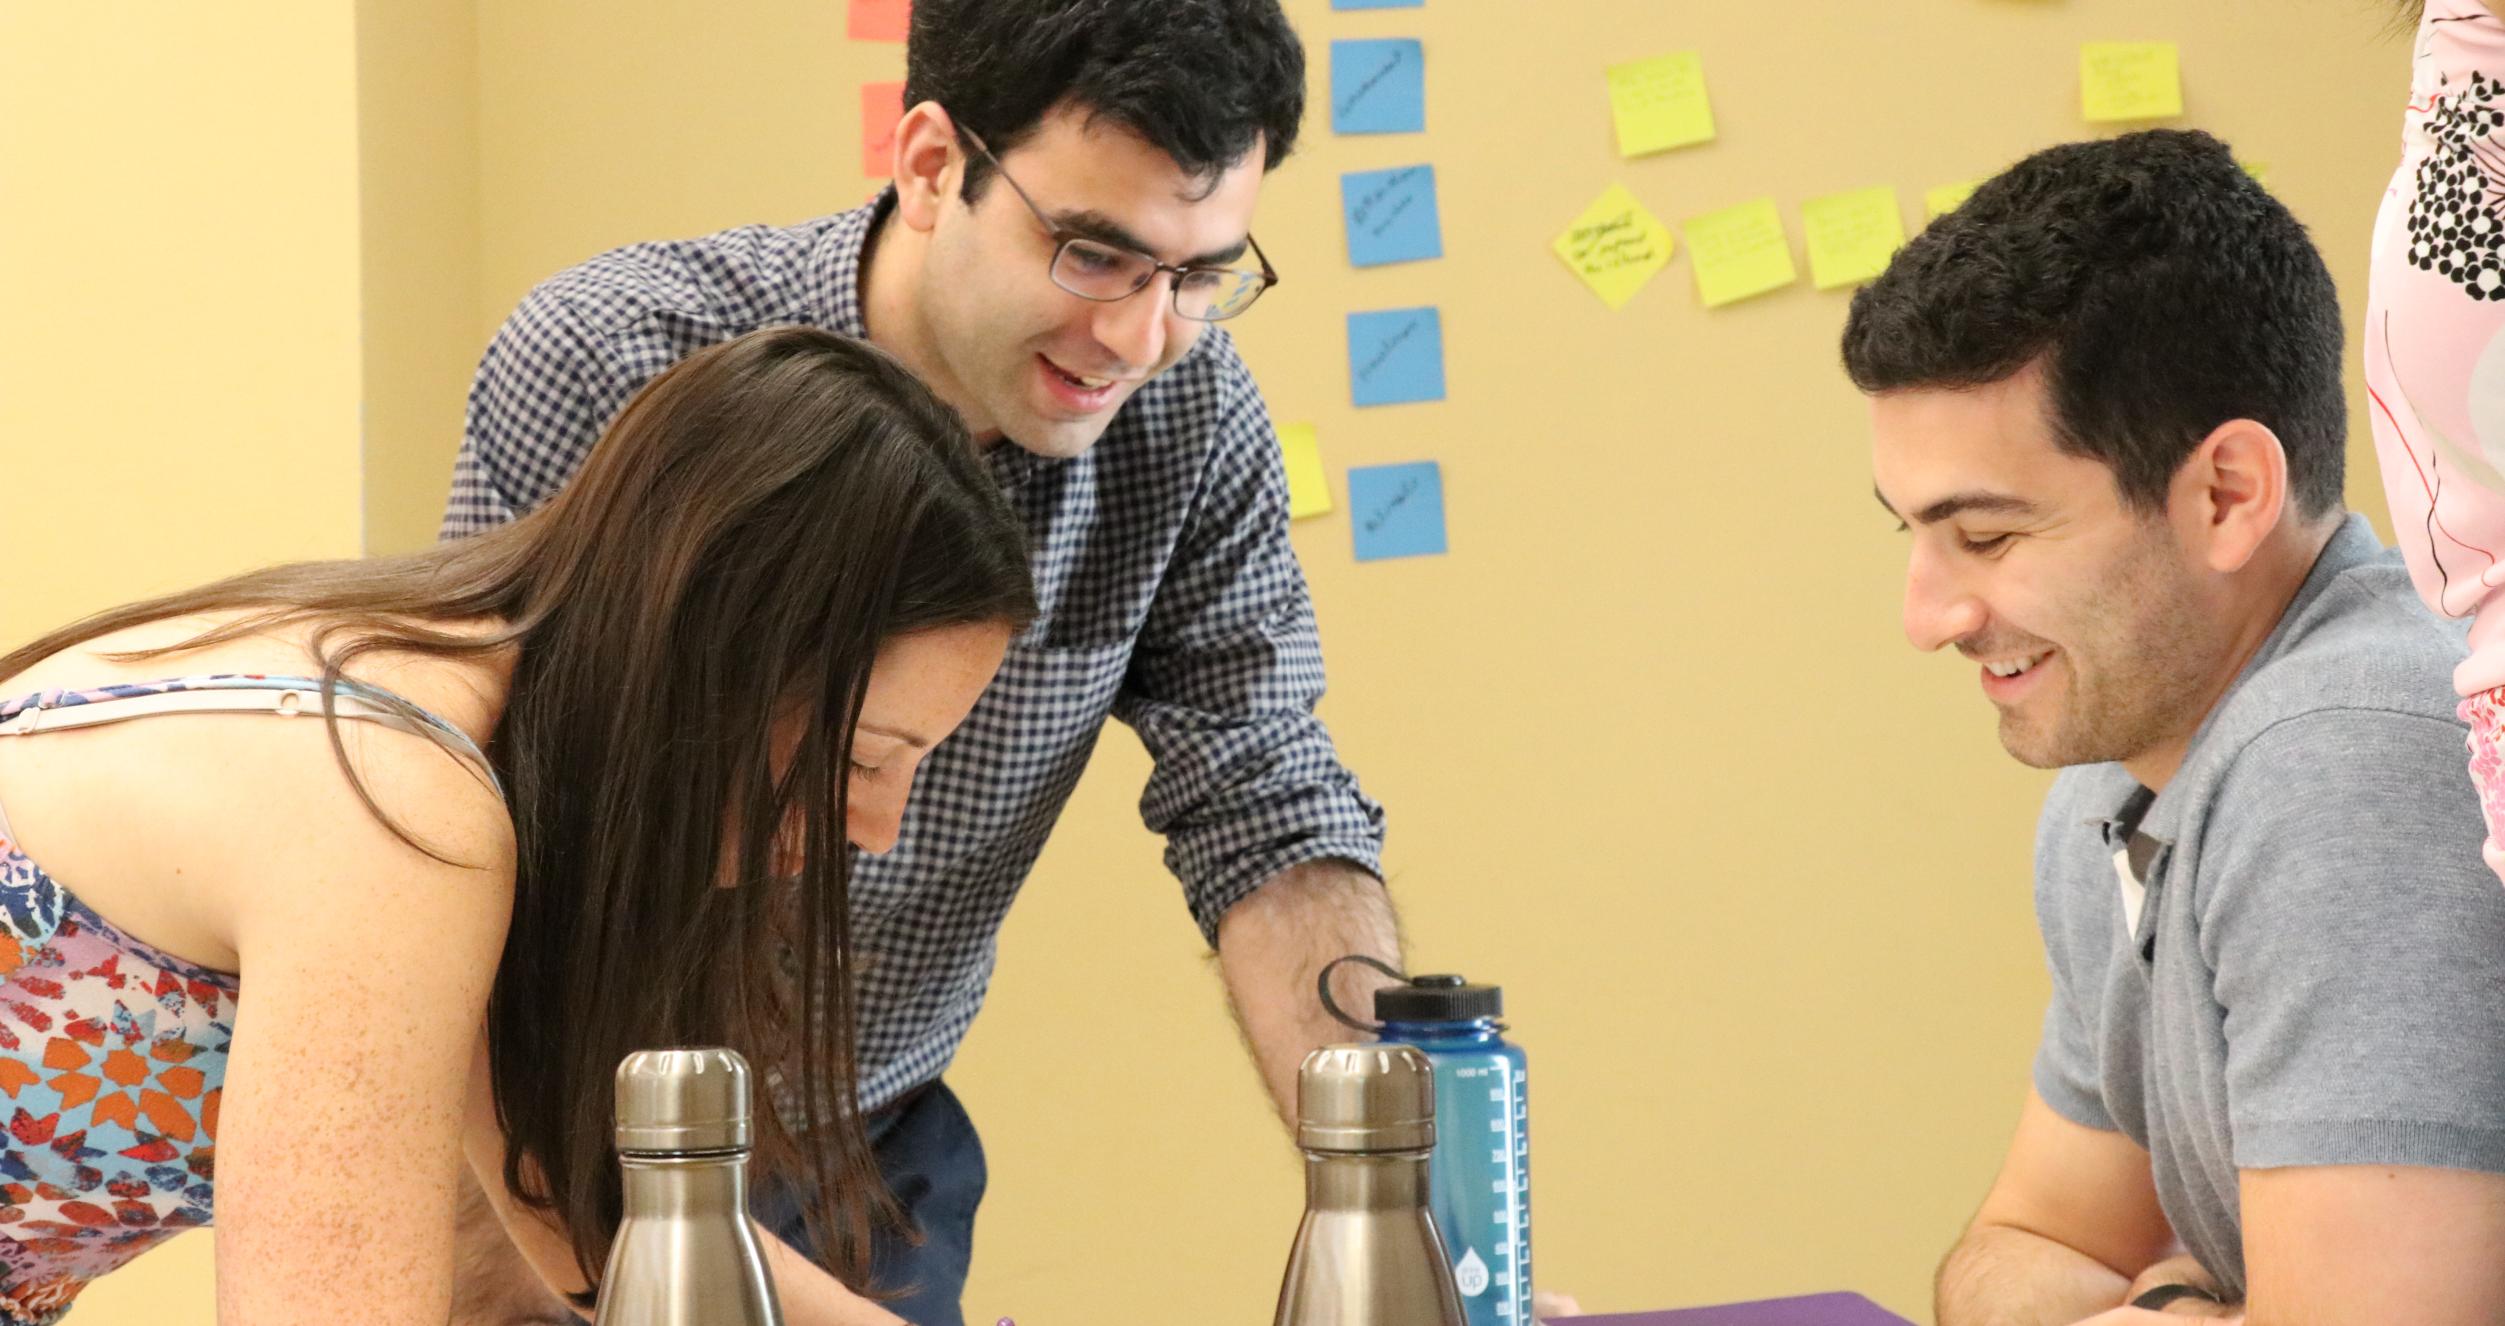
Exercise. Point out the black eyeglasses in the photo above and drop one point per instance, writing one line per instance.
(1092, 269)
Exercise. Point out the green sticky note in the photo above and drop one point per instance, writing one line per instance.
(2130, 80)
(1615, 246)
(1851, 235)
(1660, 103)
(1308, 488)
(1946, 198)
(1739, 251)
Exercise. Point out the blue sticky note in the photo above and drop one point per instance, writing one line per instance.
(1378, 4)
(1396, 356)
(1378, 86)
(1390, 215)
(1397, 510)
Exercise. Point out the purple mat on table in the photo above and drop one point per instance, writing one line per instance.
(1812, 1310)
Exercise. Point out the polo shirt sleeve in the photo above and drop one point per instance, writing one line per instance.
(1223, 682)
(2357, 945)
(2076, 921)
(543, 393)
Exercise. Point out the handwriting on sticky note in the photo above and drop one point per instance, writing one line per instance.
(1739, 252)
(1851, 235)
(1378, 86)
(1940, 200)
(1660, 103)
(878, 20)
(882, 105)
(1308, 488)
(1390, 215)
(1397, 510)
(1396, 356)
(1615, 246)
(2130, 80)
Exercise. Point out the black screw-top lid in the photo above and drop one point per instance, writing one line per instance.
(1438, 999)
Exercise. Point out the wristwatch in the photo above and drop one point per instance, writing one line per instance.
(2156, 1299)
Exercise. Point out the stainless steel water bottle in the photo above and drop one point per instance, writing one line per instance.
(685, 1254)
(1367, 1253)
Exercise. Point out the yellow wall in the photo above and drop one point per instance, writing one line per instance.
(1754, 875)
(179, 375)
(417, 139)
(178, 230)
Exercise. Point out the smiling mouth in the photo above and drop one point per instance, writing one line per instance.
(2016, 667)
(1079, 380)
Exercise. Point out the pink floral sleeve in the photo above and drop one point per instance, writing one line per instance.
(2435, 358)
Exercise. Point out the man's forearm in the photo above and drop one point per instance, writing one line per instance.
(1274, 943)
(1999, 1276)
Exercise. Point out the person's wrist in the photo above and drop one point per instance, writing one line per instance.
(2161, 1298)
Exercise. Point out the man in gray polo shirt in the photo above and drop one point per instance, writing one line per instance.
(2106, 402)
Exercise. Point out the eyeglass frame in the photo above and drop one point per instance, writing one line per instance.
(1063, 237)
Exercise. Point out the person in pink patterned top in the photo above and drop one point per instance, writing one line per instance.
(2435, 358)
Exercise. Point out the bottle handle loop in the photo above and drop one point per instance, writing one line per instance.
(1322, 986)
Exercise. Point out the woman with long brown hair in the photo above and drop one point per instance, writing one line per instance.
(584, 784)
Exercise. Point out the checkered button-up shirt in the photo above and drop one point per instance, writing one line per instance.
(1170, 600)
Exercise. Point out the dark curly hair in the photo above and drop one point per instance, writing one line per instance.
(1203, 80)
(2164, 291)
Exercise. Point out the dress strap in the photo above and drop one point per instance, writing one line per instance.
(53, 711)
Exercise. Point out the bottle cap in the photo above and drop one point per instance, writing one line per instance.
(1438, 999)
(682, 1100)
(1366, 1099)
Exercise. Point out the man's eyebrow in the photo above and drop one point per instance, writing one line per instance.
(1958, 504)
(918, 743)
(1103, 229)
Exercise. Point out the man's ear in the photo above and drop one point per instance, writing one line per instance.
(2232, 493)
(929, 164)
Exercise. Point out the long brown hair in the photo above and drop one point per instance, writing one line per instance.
(751, 528)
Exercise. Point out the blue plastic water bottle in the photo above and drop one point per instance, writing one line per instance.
(1479, 1178)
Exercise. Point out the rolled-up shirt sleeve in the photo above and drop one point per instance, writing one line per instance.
(1222, 688)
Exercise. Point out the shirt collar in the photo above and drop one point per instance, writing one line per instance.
(835, 268)
(835, 292)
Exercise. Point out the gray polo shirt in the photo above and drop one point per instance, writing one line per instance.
(2293, 955)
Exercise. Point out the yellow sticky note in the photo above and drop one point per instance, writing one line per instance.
(2259, 170)
(1947, 198)
(1660, 103)
(1739, 251)
(1615, 246)
(2130, 80)
(1308, 489)
(1851, 235)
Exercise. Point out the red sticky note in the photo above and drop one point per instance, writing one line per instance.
(878, 20)
(882, 104)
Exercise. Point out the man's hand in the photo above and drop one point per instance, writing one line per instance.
(1545, 1305)
(1274, 943)
(2184, 1270)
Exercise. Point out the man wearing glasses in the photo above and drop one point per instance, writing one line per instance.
(1066, 315)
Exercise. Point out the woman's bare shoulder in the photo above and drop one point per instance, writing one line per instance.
(179, 828)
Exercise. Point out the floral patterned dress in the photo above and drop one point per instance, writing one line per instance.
(112, 1053)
